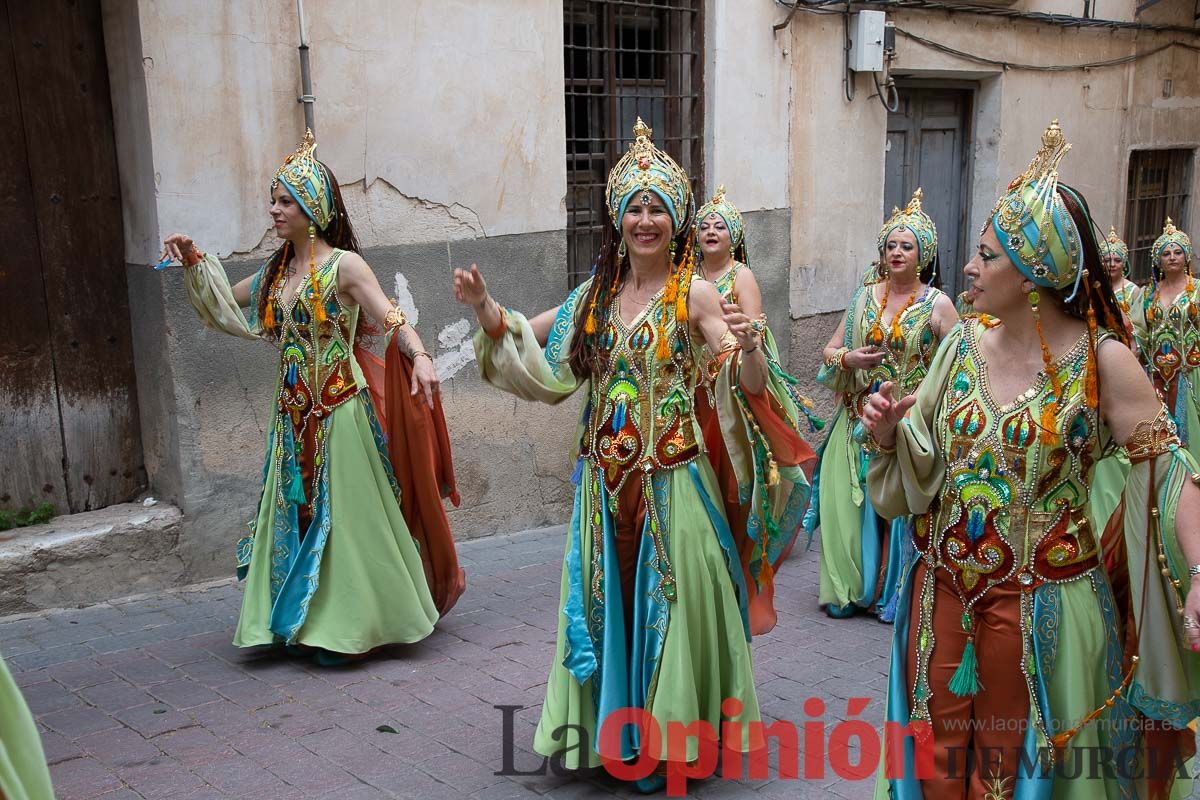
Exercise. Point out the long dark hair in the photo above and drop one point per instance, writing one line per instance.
(339, 234)
(1096, 291)
(609, 272)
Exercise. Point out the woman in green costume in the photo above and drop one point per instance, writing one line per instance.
(723, 262)
(1114, 257)
(653, 613)
(1167, 325)
(862, 556)
(329, 562)
(1031, 659)
(1108, 480)
(23, 773)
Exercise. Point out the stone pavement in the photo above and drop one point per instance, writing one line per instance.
(147, 698)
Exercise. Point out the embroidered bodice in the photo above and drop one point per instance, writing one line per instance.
(1012, 505)
(642, 416)
(317, 370)
(906, 356)
(1172, 337)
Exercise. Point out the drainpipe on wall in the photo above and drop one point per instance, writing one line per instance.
(306, 98)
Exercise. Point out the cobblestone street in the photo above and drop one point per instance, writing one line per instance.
(147, 698)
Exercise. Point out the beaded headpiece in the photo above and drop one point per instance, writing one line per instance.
(1032, 222)
(308, 181)
(727, 211)
(1172, 235)
(1114, 246)
(913, 218)
(645, 168)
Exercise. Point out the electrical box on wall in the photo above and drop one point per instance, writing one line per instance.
(866, 41)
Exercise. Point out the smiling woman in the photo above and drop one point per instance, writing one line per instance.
(654, 606)
(350, 548)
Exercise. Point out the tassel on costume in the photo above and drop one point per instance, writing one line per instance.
(965, 681)
(314, 284)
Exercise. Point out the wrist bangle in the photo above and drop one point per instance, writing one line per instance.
(395, 318)
(872, 445)
(1194, 570)
(837, 359)
(502, 326)
(422, 353)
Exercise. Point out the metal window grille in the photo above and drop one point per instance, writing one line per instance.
(1158, 188)
(625, 59)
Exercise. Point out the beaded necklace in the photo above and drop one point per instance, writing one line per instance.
(875, 334)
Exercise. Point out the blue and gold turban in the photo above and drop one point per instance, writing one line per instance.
(1172, 235)
(913, 219)
(1033, 224)
(645, 168)
(1114, 246)
(726, 211)
(308, 181)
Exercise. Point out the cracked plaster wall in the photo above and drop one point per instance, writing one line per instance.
(444, 124)
(443, 119)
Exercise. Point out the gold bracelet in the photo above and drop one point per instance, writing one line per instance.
(872, 445)
(422, 353)
(395, 318)
(835, 359)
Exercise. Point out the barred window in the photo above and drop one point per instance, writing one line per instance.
(1158, 188)
(624, 59)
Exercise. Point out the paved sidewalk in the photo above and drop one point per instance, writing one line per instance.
(147, 698)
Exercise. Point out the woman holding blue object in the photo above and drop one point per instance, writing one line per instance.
(331, 562)
(653, 612)
(861, 553)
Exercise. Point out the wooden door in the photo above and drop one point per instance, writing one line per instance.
(928, 146)
(68, 405)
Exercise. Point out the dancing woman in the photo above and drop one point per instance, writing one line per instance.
(331, 562)
(653, 612)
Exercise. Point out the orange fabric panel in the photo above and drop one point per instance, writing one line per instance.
(418, 446)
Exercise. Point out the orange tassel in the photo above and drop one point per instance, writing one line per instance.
(314, 285)
(1049, 426)
(662, 351)
(589, 325)
(766, 574)
(1048, 433)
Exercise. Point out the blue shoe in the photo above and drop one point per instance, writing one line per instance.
(328, 658)
(840, 612)
(651, 785)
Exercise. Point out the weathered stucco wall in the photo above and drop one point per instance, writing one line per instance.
(444, 123)
(838, 148)
(747, 83)
(445, 117)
